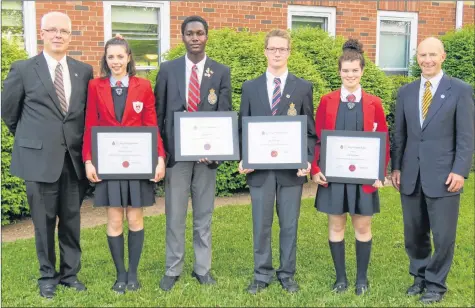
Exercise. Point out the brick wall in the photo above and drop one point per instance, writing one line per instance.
(468, 14)
(353, 19)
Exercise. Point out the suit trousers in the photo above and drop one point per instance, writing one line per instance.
(179, 180)
(62, 198)
(421, 214)
(287, 199)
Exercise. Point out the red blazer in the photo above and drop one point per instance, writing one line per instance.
(100, 110)
(326, 119)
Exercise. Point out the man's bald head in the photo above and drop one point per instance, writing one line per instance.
(430, 56)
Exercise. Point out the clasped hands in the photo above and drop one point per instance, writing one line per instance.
(300, 172)
(91, 173)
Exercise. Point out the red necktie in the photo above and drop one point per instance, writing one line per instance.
(118, 84)
(193, 90)
(351, 98)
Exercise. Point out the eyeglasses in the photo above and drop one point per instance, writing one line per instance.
(282, 51)
(56, 31)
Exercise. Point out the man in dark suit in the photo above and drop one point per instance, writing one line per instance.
(43, 104)
(190, 83)
(433, 148)
(277, 92)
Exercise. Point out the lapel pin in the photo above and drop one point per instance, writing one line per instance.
(442, 96)
(76, 74)
(288, 96)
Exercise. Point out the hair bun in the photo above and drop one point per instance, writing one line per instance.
(353, 44)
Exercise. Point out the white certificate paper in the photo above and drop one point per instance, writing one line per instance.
(352, 157)
(274, 143)
(206, 136)
(124, 153)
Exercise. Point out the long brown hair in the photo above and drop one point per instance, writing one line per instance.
(105, 70)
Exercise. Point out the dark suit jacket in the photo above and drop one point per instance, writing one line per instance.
(444, 144)
(32, 112)
(100, 109)
(255, 102)
(373, 117)
(170, 95)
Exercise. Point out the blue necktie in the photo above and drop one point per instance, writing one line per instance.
(276, 96)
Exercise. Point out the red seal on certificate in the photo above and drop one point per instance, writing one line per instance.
(125, 164)
(274, 153)
(352, 168)
(207, 147)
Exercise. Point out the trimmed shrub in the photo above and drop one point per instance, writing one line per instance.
(14, 202)
(460, 50)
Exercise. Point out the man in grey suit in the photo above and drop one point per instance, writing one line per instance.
(277, 92)
(190, 83)
(43, 105)
(433, 148)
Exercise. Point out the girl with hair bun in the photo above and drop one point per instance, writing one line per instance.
(352, 109)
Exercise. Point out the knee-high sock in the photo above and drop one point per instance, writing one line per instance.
(363, 253)
(135, 243)
(116, 246)
(338, 255)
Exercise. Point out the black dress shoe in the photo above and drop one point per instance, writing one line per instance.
(257, 286)
(416, 288)
(289, 284)
(119, 287)
(204, 279)
(361, 288)
(340, 286)
(47, 290)
(431, 297)
(167, 282)
(77, 285)
(133, 285)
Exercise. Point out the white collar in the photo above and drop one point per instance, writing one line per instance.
(344, 93)
(200, 64)
(434, 81)
(282, 77)
(52, 62)
(124, 80)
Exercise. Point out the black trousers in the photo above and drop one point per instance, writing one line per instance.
(60, 199)
(422, 214)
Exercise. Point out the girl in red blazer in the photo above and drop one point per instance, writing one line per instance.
(349, 108)
(119, 98)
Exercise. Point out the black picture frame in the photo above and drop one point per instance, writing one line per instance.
(152, 130)
(206, 114)
(303, 164)
(381, 136)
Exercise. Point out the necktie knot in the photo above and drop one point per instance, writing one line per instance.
(351, 98)
(194, 68)
(118, 83)
(277, 81)
(427, 84)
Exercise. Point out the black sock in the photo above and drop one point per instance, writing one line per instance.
(116, 246)
(338, 255)
(135, 251)
(363, 253)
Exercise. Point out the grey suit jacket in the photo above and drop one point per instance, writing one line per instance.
(444, 144)
(170, 96)
(32, 112)
(255, 102)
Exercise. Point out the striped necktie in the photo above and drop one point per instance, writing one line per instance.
(276, 96)
(426, 99)
(59, 87)
(193, 90)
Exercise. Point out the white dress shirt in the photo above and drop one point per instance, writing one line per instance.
(434, 84)
(52, 63)
(270, 84)
(200, 70)
(344, 94)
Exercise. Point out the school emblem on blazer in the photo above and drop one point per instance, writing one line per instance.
(208, 72)
(212, 98)
(138, 106)
(292, 111)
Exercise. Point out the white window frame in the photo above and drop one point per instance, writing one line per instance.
(164, 27)
(313, 11)
(29, 27)
(398, 16)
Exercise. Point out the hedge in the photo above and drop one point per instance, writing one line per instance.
(14, 203)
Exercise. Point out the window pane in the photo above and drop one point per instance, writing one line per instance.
(12, 20)
(309, 21)
(139, 25)
(394, 44)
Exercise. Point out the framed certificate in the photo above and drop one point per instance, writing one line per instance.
(278, 142)
(353, 157)
(212, 135)
(124, 153)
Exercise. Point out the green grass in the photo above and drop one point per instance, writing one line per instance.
(233, 265)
